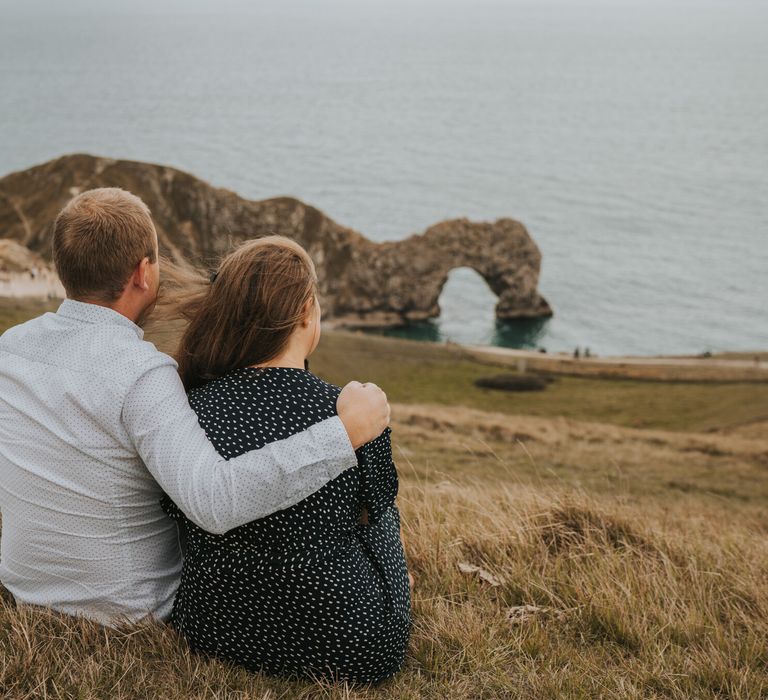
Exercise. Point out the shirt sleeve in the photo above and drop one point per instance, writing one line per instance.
(378, 476)
(218, 494)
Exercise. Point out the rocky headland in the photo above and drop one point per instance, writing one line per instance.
(362, 283)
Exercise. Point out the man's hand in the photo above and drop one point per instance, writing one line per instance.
(364, 410)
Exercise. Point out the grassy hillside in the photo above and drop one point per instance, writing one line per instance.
(413, 372)
(13, 311)
(636, 589)
(618, 529)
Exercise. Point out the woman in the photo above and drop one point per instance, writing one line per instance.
(319, 589)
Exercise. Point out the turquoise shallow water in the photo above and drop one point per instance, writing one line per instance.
(629, 137)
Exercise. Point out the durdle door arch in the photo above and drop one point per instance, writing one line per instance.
(362, 282)
(402, 281)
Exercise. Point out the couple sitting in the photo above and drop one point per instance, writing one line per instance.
(293, 562)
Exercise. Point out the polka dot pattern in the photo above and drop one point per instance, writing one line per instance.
(309, 590)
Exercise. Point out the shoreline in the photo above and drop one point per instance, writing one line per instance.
(749, 357)
(657, 368)
(670, 368)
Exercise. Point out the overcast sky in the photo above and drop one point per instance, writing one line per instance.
(57, 7)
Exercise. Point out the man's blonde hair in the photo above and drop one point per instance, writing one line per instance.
(98, 239)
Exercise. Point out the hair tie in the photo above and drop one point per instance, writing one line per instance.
(214, 275)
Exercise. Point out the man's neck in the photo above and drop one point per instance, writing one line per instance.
(119, 305)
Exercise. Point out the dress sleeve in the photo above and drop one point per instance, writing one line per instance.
(378, 476)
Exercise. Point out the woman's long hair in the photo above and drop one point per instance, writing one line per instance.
(242, 315)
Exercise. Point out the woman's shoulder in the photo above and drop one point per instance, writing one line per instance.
(251, 407)
(322, 385)
(214, 389)
(275, 385)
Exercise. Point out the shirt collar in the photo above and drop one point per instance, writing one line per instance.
(93, 313)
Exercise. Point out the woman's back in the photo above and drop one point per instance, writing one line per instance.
(308, 590)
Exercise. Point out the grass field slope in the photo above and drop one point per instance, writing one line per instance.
(603, 538)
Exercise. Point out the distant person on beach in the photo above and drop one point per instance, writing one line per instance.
(320, 589)
(95, 425)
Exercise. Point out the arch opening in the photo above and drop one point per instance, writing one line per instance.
(467, 307)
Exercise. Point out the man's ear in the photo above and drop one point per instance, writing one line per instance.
(140, 277)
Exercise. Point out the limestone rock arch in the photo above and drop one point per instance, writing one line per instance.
(362, 282)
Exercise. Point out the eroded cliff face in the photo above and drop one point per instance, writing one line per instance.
(25, 274)
(361, 282)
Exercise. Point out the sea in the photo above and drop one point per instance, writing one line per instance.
(629, 136)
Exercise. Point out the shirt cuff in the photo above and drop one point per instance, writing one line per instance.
(334, 445)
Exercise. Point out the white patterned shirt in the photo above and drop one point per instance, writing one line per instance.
(94, 426)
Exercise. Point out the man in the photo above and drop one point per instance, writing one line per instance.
(95, 425)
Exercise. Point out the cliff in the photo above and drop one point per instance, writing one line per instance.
(25, 274)
(361, 282)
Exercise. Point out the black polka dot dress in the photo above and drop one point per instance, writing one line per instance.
(310, 590)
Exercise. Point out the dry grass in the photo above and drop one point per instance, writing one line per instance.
(654, 466)
(635, 595)
(632, 606)
(641, 553)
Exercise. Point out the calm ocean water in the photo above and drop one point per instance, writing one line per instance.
(630, 137)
